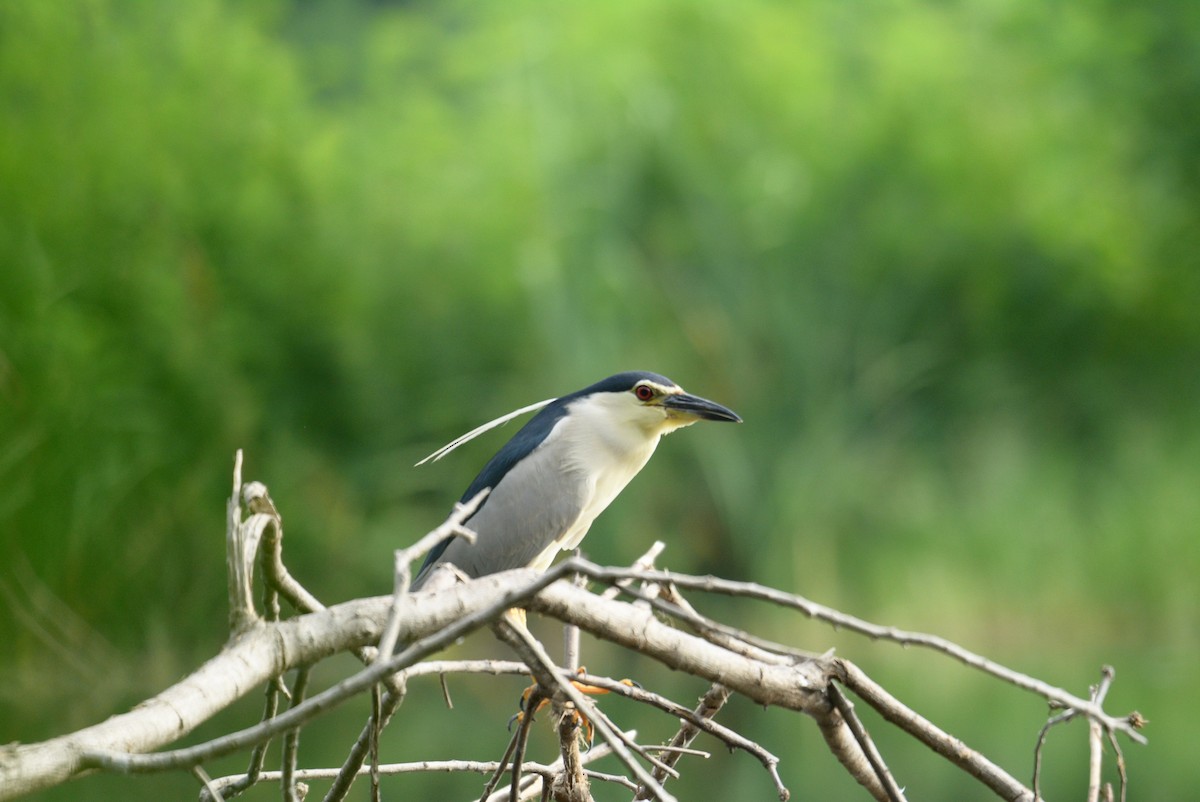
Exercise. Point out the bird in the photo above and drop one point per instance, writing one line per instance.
(562, 469)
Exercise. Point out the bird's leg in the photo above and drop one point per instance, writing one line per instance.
(535, 697)
(518, 617)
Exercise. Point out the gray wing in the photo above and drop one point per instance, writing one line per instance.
(532, 506)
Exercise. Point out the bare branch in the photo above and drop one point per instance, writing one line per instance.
(1096, 735)
(818, 612)
(692, 718)
(571, 632)
(277, 575)
(241, 544)
(710, 704)
(520, 740)
(846, 708)
(643, 563)
(571, 784)
(353, 764)
(291, 739)
(1112, 740)
(391, 702)
(262, 649)
(452, 527)
(440, 766)
(673, 603)
(1053, 721)
(949, 747)
(201, 753)
(432, 619)
(210, 789)
(257, 756)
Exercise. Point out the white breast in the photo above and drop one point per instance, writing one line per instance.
(608, 441)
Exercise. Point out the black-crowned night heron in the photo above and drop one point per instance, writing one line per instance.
(550, 481)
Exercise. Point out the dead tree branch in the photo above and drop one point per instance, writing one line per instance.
(413, 627)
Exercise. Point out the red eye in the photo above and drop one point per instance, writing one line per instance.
(643, 392)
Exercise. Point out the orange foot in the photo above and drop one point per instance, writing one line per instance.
(592, 690)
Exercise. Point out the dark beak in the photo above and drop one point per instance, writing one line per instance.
(700, 408)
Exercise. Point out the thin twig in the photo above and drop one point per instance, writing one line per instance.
(680, 750)
(846, 708)
(643, 563)
(502, 764)
(243, 538)
(209, 788)
(1095, 760)
(277, 575)
(391, 630)
(373, 743)
(571, 632)
(241, 604)
(453, 526)
(521, 739)
(1112, 739)
(291, 739)
(439, 766)
(257, 756)
(710, 704)
(674, 604)
(352, 767)
(1096, 735)
(1053, 721)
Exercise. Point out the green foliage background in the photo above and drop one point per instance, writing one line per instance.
(941, 256)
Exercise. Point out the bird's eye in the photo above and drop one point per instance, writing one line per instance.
(644, 392)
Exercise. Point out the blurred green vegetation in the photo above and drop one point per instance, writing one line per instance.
(943, 257)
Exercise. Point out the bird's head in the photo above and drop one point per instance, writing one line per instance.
(649, 402)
